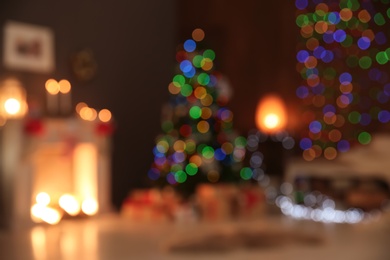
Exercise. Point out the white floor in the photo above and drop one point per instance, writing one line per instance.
(113, 237)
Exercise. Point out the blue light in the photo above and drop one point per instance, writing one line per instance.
(339, 36)
(189, 45)
(345, 78)
(384, 116)
(364, 43)
(305, 143)
(190, 73)
(327, 56)
(343, 146)
(329, 108)
(318, 52)
(334, 17)
(319, 89)
(302, 92)
(328, 37)
(185, 66)
(301, 4)
(315, 127)
(219, 154)
(302, 56)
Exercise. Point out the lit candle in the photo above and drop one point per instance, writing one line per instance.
(52, 89)
(271, 115)
(66, 98)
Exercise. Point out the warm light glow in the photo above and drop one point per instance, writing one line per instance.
(88, 113)
(42, 198)
(85, 158)
(12, 99)
(52, 86)
(64, 86)
(271, 114)
(90, 207)
(105, 115)
(12, 106)
(51, 216)
(79, 106)
(271, 121)
(70, 204)
(37, 212)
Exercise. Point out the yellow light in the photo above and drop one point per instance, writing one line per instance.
(42, 198)
(37, 212)
(69, 204)
(79, 106)
(88, 113)
(271, 114)
(52, 86)
(105, 115)
(64, 86)
(90, 207)
(51, 216)
(271, 121)
(12, 106)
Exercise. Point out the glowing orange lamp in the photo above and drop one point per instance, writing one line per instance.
(12, 99)
(271, 114)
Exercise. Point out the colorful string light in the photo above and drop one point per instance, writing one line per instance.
(198, 143)
(341, 59)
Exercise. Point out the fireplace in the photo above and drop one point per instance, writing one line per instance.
(52, 169)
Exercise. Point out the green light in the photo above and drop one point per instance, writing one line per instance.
(364, 138)
(387, 52)
(180, 176)
(240, 141)
(179, 80)
(353, 5)
(167, 126)
(197, 60)
(209, 54)
(347, 42)
(203, 79)
(246, 173)
(354, 117)
(200, 148)
(186, 90)
(208, 152)
(191, 169)
(365, 62)
(302, 20)
(195, 112)
(388, 12)
(352, 61)
(379, 19)
(381, 57)
(190, 147)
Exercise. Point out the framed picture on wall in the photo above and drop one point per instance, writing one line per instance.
(28, 47)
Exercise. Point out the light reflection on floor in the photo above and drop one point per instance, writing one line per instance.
(112, 237)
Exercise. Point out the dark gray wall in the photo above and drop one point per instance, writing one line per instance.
(134, 45)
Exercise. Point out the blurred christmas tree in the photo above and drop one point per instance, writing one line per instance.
(343, 59)
(198, 143)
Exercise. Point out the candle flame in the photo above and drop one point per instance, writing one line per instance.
(271, 114)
